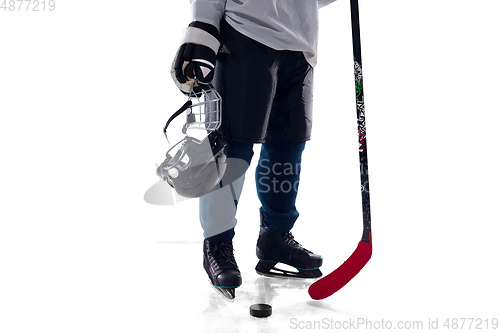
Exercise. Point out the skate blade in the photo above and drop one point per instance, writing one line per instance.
(264, 269)
(227, 293)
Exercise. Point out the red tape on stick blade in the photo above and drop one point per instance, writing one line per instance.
(334, 281)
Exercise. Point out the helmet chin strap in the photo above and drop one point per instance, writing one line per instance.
(175, 115)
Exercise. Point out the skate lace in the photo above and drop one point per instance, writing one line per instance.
(289, 240)
(223, 255)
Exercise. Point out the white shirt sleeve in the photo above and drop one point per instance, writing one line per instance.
(208, 11)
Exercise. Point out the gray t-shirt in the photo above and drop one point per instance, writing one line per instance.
(279, 24)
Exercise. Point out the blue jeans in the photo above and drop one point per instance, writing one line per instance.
(277, 178)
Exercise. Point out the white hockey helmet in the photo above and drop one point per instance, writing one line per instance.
(195, 165)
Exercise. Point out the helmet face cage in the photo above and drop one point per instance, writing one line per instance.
(205, 111)
(177, 156)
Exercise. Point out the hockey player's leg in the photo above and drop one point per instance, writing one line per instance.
(277, 176)
(217, 217)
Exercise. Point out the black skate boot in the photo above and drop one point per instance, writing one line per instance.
(280, 247)
(221, 267)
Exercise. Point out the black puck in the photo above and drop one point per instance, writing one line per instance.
(261, 310)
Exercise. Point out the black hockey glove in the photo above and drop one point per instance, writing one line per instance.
(195, 59)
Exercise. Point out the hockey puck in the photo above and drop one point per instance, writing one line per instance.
(261, 310)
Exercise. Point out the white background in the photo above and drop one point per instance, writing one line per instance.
(85, 91)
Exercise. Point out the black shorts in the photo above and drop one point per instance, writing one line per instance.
(264, 91)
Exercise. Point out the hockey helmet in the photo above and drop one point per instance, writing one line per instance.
(195, 165)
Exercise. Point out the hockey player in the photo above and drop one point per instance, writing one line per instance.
(260, 56)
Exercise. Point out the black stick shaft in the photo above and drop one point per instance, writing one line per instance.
(360, 110)
(356, 35)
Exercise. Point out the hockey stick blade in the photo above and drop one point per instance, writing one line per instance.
(334, 281)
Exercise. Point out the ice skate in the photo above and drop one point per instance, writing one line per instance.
(275, 247)
(221, 267)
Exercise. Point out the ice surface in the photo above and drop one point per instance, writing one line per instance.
(291, 303)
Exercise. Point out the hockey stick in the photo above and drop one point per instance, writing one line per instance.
(334, 281)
